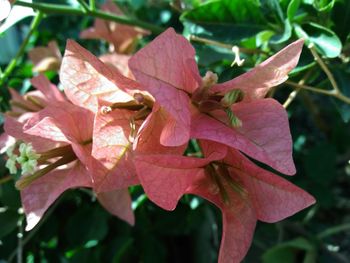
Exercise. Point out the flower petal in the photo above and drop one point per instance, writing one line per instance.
(49, 90)
(273, 197)
(272, 72)
(168, 76)
(40, 194)
(85, 79)
(118, 203)
(264, 134)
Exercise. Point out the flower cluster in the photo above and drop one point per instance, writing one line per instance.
(110, 130)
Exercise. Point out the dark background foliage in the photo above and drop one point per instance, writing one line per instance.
(77, 229)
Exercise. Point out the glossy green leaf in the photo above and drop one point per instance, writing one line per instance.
(289, 251)
(325, 40)
(224, 32)
(323, 5)
(224, 20)
(287, 33)
(292, 9)
(226, 11)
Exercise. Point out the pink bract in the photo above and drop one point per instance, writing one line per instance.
(173, 79)
(244, 192)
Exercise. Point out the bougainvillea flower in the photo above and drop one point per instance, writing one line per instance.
(122, 37)
(118, 61)
(119, 110)
(179, 89)
(86, 79)
(69, 164)
(243, 191)
(24, 106)
(46, 58)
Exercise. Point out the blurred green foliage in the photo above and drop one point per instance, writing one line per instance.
(77, 229)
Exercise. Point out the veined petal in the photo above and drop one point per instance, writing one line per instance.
(272, 72)
(40, 194)
(86, 78)
(118, 203)
(264, 134)
(273, 197)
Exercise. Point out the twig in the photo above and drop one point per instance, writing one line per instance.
(20, 241)
(332, 93)
(92, 5)
(34, 25)
(334, 230)
(5, 179)
(68, 10)
(223, 45)
(28, 237)
(84, 5)
(295, 92)
(323, 65)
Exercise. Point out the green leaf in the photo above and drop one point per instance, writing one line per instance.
(320, 163)
(227, 21)
(342, 78)
(87, 224)
(226, 11)
(323, 5)
(341, 19)
(8, 222)
(292, 9)
(325, 40)
(223, 32)
(287, 33)
(208, 55)
(289, 251)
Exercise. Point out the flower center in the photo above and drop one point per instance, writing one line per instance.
(223, 182)
(208, 103)
(35, 165)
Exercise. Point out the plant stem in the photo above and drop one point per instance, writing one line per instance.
(332, 93)
(34, 25)
(334, 230)
(65, 9)
(85, 6)
(5, 179)
(92, 5)
(323, 65)
(223, 45)
(295, 92)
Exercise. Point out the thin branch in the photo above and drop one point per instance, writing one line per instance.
(295, 92)
(313, 89)
(223, 45)
(12, 65)
(5, 179)
(332, 93)
(68, 10)
(85, 6)
(323, 65)
(28, 237)
(92, 4)
(334, 230)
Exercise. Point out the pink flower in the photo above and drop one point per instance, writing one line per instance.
(46, 58)
(203, 109)
(23, 107)
(244, 192)
(61, 135)
(122, 37)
